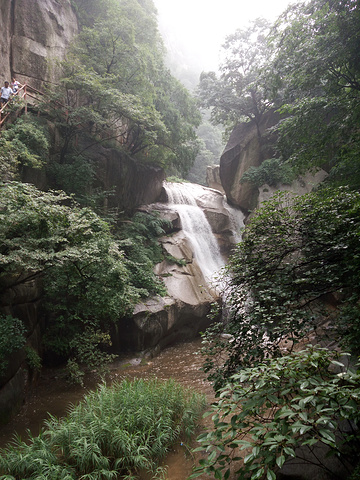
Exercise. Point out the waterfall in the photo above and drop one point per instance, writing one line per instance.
(236, 217)
(182, 197)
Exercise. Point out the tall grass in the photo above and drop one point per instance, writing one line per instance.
(115, 432)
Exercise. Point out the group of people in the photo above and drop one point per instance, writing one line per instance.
(8, 90)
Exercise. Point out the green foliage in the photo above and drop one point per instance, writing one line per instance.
(91, 292)
(139, 242)
(12, 338)
(176, 261)
(295, 250)
(272, 172)
(38, 231)
(87, 353)
(88, 281)
(348, 324)
(33, 359)
(316, 74)
(241, 92)
(267, 412)
(116, 90)
(113, 432)
(23, 143)
(75, 176)
(306, 65)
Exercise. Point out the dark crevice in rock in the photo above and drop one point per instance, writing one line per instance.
(12, 32)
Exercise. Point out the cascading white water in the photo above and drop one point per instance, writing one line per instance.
(236, 217)
(196, 227)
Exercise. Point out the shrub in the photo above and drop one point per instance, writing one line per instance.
(267, 412)
(272, 172)
(46, 236)
(295, 250)
(113, 431)
(12, 338)
(24, 143)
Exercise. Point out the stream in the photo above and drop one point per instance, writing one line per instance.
(52, 394)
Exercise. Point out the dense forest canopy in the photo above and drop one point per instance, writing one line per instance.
(115, 80)
(306, 66)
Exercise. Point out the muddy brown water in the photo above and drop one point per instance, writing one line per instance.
(53, 395)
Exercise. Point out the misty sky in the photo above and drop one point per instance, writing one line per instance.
(200, 26)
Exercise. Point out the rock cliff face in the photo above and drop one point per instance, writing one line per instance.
(244, 149)
(132, 184)
(21, 302)
(34, 37)
(213, 179)
(247, 149)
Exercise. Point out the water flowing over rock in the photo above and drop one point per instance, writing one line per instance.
(199, 240)
(196, 228)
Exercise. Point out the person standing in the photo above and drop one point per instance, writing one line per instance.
(15, 85)
(6, 93)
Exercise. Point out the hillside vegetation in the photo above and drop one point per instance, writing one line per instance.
(93, 264)
(294, 279)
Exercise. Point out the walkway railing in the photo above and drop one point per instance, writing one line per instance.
(24, 92)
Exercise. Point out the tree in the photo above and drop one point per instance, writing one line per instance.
(295, 251)
(316, 74)
(89, 282)
(241, 92)
(285, 409)
(117, 90)
(24, 143)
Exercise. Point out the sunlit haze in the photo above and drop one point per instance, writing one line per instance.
(197, 28)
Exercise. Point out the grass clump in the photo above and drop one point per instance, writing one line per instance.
(115, 432)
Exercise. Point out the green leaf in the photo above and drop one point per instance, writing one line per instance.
(248, 458)
(270, 475)
(280, 461)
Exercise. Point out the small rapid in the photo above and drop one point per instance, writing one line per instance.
(182, 197)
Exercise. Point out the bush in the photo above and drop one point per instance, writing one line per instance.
(267, 412)
(87, 282)
(24, 143)
(12, 338)
(139, 240)
(295, 250)
(113, 431)
(272, 172)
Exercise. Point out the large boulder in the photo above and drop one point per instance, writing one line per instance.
(180, 315)
(34, 37)
(213, 179)
(248, 146)
(300, 186)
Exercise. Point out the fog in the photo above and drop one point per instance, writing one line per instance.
(194, 30)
